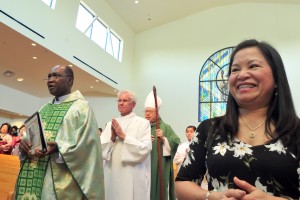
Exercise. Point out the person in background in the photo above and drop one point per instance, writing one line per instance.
(16, 141)
(169, 144)
(14, 131)
(184, 148)
(5, 139)
(71, 167)
(18, 138)
(253, 151)
(126, 146)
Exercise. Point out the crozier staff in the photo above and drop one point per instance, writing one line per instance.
(159, 152)
(169, 143)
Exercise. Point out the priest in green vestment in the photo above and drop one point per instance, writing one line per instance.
(170, 142)
(71, 167)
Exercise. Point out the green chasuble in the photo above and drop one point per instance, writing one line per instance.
(78, 174)
(167, 163)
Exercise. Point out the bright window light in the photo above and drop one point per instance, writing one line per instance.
(50, 3)
(95, 29)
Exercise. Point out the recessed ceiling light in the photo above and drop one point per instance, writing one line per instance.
(8, 73)
(70, 65)
(34, 57)
(136, 1)
(20, 79)
(33, 44)
(91, 86)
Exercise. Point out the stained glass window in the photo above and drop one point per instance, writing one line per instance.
(213, 85)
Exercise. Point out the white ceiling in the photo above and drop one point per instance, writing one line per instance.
(16, 50)
(17, 56)
(148, 14)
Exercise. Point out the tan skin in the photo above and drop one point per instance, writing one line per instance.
(4, 130)
(21, 131)
(252, 85)
(189, 132)
(253, 101)
(151, 116)
(59, 84)
(125, 107)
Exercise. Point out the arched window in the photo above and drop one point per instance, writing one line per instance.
(213, 85)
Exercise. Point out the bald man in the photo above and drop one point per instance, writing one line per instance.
(71, 167)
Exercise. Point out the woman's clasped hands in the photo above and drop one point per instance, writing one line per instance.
(246, 192)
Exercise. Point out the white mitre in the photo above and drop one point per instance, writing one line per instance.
(150, 101)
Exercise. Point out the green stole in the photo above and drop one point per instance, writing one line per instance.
(31, 176)
(167, 164)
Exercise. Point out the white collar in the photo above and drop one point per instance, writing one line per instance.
(60, 99)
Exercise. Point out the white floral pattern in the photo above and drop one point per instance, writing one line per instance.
(219, 186)
(263, 166)
(241, 149)
(187, 160)
(221, 148)
(278, 146)
(195, 138)
(260, 186)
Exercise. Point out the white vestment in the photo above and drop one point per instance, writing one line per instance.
(127, 169)
(181, 153)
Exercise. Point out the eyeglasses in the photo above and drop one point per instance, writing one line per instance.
(149, 111)
(55, 76)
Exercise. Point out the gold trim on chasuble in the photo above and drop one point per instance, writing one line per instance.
(31, 177)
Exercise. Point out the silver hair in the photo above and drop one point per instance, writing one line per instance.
(132, 95)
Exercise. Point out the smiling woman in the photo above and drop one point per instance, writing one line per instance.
(251, 78)
(253, 151)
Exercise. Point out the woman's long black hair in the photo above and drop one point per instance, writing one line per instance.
(281, 111)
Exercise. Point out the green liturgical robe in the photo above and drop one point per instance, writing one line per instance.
(167, 163)
(76, 172)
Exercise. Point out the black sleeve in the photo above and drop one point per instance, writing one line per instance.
(194, 166)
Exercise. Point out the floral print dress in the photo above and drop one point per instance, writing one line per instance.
(270, 167)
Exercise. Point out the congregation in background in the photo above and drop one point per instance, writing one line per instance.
(241, 154)
(10, 138)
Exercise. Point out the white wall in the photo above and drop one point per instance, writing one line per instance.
(104, 108)
(13, 121)
(18, 102)
(169, 57)
(172, 55)
(61, 36)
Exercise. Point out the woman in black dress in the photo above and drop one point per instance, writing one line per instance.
(252, 152)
